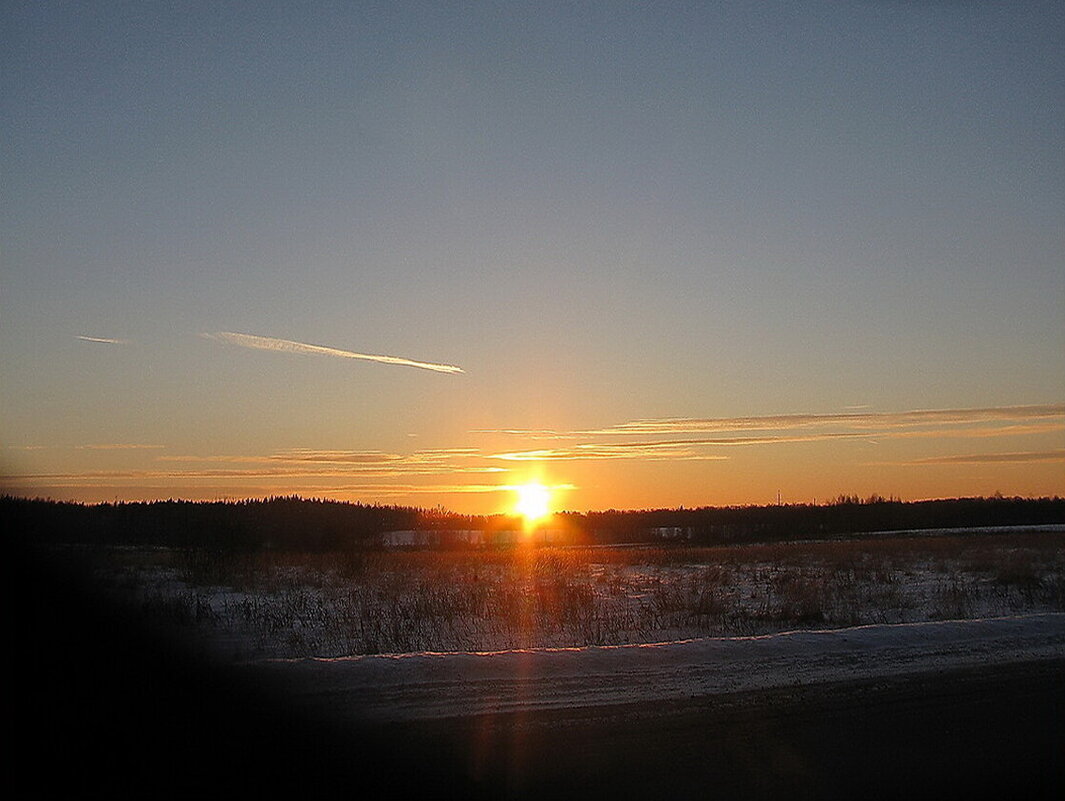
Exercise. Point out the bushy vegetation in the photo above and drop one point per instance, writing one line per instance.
(340, 603)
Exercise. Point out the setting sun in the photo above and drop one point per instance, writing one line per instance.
(533, 501)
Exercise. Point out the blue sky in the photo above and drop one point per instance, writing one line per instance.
(600, 212)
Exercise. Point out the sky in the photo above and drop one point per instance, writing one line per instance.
(647, 254)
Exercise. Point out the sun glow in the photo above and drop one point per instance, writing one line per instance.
(533, 502)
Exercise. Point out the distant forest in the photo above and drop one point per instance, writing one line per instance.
(306, 524)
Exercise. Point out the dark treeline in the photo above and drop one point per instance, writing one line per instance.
(307, 524)
(845, 515)
(286, 522)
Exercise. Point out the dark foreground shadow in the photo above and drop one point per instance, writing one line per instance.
(965, 734)
(103, 706)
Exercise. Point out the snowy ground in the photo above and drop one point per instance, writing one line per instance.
(435, 685)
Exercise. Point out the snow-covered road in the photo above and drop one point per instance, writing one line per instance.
(434, 685)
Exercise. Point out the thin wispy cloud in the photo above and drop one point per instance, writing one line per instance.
(298, 455)
(446, 488)
(532, 433)
(105, 446)
(120, 446)
(289, 346)
(421, 457)
(976, 433)
(294, 473)
(681, 449)
(430, 489)
(310, 461)
(216, 458)
(243, 489)
(676, 449)
(853, 420)
(649, 451)
(1023, 457)
(102, 340)
(296, 464)
(850, 421)
(981, 423)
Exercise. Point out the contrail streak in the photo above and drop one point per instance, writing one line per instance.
(288, 346)
(104, 340)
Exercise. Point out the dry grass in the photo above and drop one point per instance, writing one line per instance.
(329, 604)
